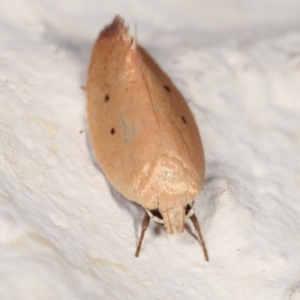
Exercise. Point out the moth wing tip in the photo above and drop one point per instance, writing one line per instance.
(117, 27)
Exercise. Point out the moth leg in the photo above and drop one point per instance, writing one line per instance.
(197, 227)
(144, 228)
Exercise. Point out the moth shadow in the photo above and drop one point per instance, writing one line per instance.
(158, 229)
(91, 151)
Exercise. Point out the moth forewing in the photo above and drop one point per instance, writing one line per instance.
(142, 131)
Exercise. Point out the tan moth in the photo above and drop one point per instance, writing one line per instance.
(142, 131)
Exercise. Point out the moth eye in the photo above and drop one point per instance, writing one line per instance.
(156, 216)
(189, 211)
(156, 213)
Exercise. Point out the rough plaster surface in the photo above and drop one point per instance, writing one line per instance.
(66, 234)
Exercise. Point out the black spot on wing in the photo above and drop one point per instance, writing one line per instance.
(112, 131)
(167, 88)
(106, 98)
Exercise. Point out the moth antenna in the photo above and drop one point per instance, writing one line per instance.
(144, 228)
(134, 39)
(197, 227)
(135, 32)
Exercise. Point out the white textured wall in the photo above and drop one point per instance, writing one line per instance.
(64, 234)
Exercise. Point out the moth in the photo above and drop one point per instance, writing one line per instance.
(142, 131)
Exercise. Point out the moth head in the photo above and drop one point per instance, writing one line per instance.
(168, 192)
(173, 219)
